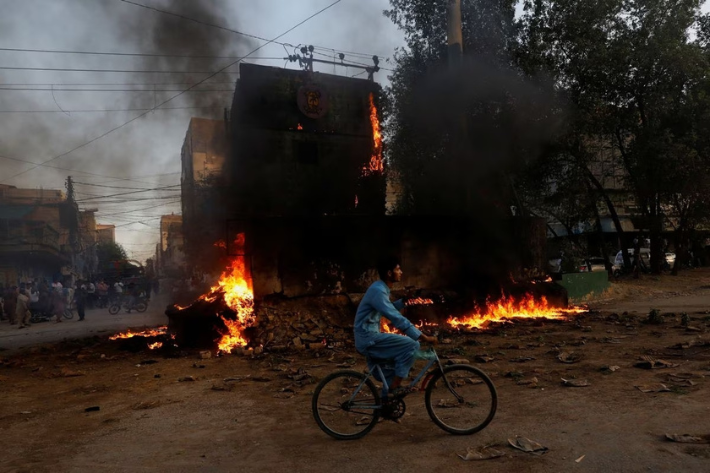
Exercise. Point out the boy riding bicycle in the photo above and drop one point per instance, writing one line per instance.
(370, 342)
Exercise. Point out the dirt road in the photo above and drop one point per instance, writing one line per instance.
(98, 322)
(150, 421)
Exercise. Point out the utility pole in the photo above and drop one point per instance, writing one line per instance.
(454, 33)
(455, 52)
(72, 220)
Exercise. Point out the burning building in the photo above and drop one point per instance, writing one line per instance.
(302, 193)
(305, 144)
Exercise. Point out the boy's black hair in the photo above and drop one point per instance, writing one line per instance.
(385, 264)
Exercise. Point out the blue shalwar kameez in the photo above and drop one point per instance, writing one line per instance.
(372, 343)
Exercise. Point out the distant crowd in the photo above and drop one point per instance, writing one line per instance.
(19, 304)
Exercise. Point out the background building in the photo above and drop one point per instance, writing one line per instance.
(106, 233)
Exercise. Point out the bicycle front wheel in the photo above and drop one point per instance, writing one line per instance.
(113, 309)
(466, 404)
(346, 405)
(68, 313)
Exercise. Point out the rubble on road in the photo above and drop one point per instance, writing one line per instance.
(569, 357)
(649, 363)
(687, 438)
(575, 383)
(487, 452)
(658, 388)
(528, 446)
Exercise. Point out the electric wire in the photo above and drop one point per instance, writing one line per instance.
(175, 96)
(241, 33)
(115, 110)
(163, 189)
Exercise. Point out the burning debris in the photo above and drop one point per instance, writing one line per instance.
(230, 302)
(418, 301)
(153, 339)
(509, 308)
(155, 332)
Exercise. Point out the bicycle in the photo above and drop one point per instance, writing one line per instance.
(460, 399)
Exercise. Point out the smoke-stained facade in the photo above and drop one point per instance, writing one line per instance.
(302, 144)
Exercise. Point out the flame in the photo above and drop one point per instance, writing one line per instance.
(508, 308)
(386, 328)
(376, 164)
(220, 244)
(156, 345)
(146, 333)
(299, 127)
(235, 286)
(419, 301)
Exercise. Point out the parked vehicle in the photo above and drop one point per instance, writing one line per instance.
(46, 314)
(592, 264)
(644, 262)
(141, 305)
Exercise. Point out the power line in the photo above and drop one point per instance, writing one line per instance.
(110, 90)
(241, 33)
(128, 201)
(106, 53)
(165, 188)
(72, 170)
(139, 210)
(130, 71)
(65, 69)
(175, 96)
(144, 84)
(109, 187)
(108, 110)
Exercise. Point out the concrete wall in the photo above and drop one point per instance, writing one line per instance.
(285, 162)
(329, 255)
(203, 157)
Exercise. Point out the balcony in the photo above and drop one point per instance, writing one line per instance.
(18, 238)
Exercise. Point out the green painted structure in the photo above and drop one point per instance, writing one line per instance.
(582, 286)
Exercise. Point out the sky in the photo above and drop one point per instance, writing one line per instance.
(129, 149)
(145, 153)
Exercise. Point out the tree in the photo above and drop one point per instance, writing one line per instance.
(628, 69)
(112, 258)
(427, 101)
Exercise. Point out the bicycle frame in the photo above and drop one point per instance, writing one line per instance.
(385, 386)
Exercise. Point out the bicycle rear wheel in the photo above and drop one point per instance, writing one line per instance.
(466, 408)
(69, 313)
(342, 410)
(113, 309)
(141, 306)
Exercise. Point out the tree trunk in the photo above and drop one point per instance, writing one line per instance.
(656, 224)
(679, 250)
(612, 212)
(600, 233)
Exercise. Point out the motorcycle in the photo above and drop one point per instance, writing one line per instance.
(141, 305)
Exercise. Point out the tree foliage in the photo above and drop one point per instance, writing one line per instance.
(111, 258)
(427, 101)
(635, 81)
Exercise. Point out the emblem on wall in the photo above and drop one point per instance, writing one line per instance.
(312, 101)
